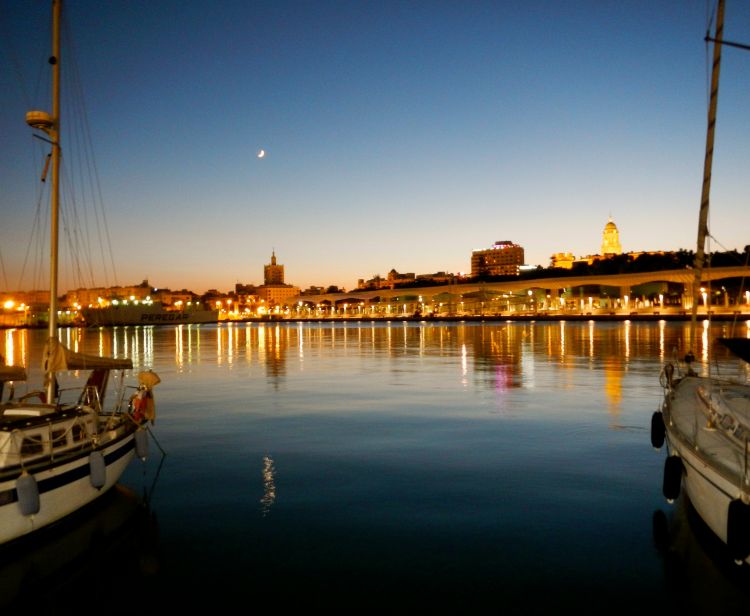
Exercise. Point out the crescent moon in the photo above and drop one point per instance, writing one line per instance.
(261, 154)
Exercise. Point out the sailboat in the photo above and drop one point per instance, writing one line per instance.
(705, 419)
(57, 456)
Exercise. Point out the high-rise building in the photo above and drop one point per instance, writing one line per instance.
(501, 259)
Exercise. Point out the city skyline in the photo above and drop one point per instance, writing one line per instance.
(393, 135)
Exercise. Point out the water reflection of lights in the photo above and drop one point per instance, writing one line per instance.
(269, 485)
(627, 338)
(10, 349)
(704, 340)
(662, 328)
(261, 344)
(613, 371)
(230, 343)
(527, 359)
(562, 339)
(178, 347)
(464, 365)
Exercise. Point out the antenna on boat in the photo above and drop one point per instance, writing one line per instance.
(50, 124)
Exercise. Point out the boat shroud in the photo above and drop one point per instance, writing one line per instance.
(705, 419)
(59, 455)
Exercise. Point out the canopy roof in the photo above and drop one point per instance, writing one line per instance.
(57, 357)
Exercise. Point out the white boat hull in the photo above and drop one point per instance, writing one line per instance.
(713, 465)
(63, 489)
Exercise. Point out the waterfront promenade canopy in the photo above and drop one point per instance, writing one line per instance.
(486, 289)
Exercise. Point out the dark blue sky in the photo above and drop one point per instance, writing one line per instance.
(398, 134)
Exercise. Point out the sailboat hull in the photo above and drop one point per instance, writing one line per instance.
(710, 446)
(63, 488)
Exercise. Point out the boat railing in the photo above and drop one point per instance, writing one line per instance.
(90, 397)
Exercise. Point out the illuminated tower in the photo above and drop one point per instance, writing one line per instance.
(272, 273)
(611, 240)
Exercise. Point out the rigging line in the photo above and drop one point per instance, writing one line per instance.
(77, 237)
(34, 241)
(69, 224)
(77, 234)
(728, 43)
(78, 105)
(13, 59)
(724, 248)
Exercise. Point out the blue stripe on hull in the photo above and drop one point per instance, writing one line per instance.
(46, 485)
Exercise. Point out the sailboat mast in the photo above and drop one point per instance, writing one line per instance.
(54, 134)
(700, 253)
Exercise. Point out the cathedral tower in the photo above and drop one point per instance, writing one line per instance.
(272, 273)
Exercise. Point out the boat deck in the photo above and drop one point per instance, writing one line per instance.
(712, 418)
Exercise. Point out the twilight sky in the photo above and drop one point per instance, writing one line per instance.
(398, 134)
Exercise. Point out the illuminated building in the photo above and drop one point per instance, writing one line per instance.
(502, 259)
(273, 290)
(273, 273)
(611, 247)
(563, 260)
(611, 240)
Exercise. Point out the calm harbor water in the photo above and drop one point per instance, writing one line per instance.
(402, 466)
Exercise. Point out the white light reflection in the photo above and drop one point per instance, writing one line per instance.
(627, 339)
(148, 348)
(230, 343)
(135, 347)
(562, 340)
(527, 363)
(591, 338)
(269, 485)
(10, 348)
(464, 365)
(662, 329)
(262, 344)
(704, 341)
(178, 348)
(301, 343)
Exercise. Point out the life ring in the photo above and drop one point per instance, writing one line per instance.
(138, 407)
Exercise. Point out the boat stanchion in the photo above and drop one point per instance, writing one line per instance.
(672, 478)
(657, 429)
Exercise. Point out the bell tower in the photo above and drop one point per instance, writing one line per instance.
(272, 273)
